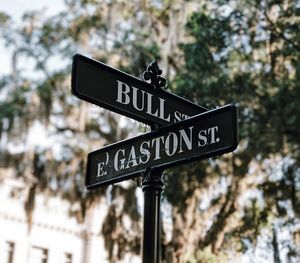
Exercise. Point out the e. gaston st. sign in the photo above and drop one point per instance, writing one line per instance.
(202, 136)
(182, 138)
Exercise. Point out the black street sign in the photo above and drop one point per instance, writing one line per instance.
(117, 91)
(202, 136)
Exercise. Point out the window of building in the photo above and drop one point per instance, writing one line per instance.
(68, 258)
(38, 255)
(9, 248)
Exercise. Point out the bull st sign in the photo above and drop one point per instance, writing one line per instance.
(117, 91)
(205, 135)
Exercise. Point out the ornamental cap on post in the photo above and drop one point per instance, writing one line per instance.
(153, 73)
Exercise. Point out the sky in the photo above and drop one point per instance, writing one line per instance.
(15, 9)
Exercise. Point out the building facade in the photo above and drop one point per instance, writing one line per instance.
(54, 236)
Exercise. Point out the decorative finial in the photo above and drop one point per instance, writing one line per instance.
(153, 73)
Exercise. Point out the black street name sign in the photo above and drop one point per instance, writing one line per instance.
(117, 91)
(202, 136)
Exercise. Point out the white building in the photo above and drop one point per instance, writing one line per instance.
(54, 236)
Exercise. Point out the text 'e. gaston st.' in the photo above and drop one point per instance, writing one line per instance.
(176, 143)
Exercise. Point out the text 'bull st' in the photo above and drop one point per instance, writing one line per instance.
(202, 136)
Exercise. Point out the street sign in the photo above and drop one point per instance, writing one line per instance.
(202, 136)
(117, 91)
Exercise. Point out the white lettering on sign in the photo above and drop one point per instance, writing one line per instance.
(151, 150)
(145, 152)
(162, 110)
(156, 144)
(131, 162)
(101, 167)
(119, 163)
(208, 136)
(123, 90)
(135, 99)
(187, 140)
(101, 170)
(171, 150)
(178, 116)
(142, 101)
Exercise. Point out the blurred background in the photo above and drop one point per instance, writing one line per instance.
(241, 207)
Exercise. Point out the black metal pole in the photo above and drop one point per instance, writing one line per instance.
(152, 186)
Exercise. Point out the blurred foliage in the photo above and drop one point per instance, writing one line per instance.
(213, 53)
(245, 53)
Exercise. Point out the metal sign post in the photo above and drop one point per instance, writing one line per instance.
(182, 132)
(152, 186)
